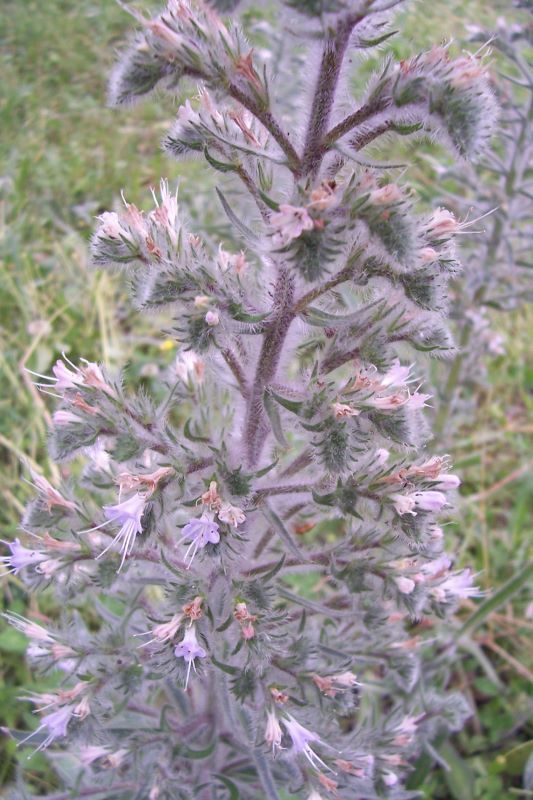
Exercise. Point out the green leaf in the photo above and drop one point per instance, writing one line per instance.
(517, 758)
(283, 533)
(237, 312)
(169, 566)
(247, 233)
(503, 595)
(234, 793)
(197, 754)
(291, 405)
(459, 777)
(11, 641)
(225, 667)
(274, 571)
(187, 432)
(268, 201)
(220, 166)
(275, 419)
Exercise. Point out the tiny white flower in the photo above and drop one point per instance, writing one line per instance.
(189, 367)
(389, 778)
(405, 585)
(404, 504)
(212, 318)
(381, 456)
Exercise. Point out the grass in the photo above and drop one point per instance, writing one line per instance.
(64, 157)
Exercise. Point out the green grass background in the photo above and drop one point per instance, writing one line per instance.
(64, 157)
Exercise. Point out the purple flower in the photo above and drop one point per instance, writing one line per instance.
(301, 737)
(20, 557)
(128, 515)
(460, 585)
(200, 532)
(189, 650)
(56, 723)
(429, 501)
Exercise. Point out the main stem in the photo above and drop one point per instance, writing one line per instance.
(256, 427)
(328, 77)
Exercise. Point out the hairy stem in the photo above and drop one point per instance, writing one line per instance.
(335, 46)
(362, 114)
(255, 427)
(266, 118)
(232, 362)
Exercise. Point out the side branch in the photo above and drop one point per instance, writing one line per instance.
(345, 274)
(266, 118)
(363, 114)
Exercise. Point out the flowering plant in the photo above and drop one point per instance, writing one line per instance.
(259, 544)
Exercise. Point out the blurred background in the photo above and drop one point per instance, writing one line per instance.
(64, 158)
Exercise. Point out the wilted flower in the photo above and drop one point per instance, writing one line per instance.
(403, 503)
(190, 367)
(53, 497)
(233, 515)
(273, 732)
(441, 224)
(163, 632)
(344, 410)
(30, 629)
(386, 195)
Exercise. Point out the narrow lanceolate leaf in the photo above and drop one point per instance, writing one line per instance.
(275, 419)
(286, 537)
(518, 581)
(247, 233)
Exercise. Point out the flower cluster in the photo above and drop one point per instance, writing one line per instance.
(243, 552)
